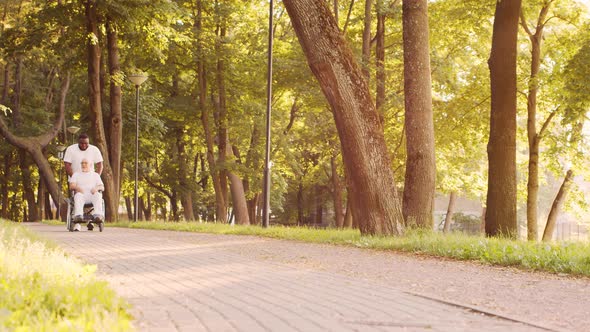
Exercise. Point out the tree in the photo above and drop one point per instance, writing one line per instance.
(418, 201)
(95, 107)
(534, 137)
(501, 197)
(375, 202)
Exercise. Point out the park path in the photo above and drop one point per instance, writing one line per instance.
(203, 282)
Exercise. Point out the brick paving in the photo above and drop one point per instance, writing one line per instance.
(184, 282)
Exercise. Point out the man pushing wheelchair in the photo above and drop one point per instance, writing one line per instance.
(85, 184)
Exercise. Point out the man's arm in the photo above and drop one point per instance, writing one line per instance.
(74, 187)
(98, 168)
(69, 170)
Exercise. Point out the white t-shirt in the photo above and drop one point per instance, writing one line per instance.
(74, 156)
(86, 180)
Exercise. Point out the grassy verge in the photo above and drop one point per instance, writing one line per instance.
(42, 289)
(565, 257)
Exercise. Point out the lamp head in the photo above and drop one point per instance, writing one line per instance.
(73, 129)
(137, 78)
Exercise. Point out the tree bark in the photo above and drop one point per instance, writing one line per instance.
(222, 120)
(380, 60)
(220, 201)
(147, 207)
(501, 196)
(4, 188)
(348, 222)
(337, 194)
(419, 187)
(186, 193)
(116, 117)
(128, 205)
(366, 47)
(238, 195)
(450, 212)
(375, 202)
(557, 204)
(27, 182)
(534, 138)
(300, 212)
(95, 105)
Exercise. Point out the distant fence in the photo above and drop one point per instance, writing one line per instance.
(471, 224)
(571, 232)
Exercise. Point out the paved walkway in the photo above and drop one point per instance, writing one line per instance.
(181, 282)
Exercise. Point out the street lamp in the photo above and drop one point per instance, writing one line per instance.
(136, 79)
(267, 163)
(73, 130)
(60, 155)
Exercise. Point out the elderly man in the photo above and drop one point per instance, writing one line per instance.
(88, 188)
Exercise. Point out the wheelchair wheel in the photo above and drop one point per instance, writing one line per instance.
(69, 222)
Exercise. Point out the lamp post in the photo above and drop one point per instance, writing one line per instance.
(136, 79)
(267, 163)
(73, 130)
(60, 155)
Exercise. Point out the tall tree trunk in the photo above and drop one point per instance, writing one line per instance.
(28, 190)
(5, 87)
(380, 59)
(220, 201)
(95, 105)
(41, 207)
(366, 47)
(48, 211)
(186, 192)
(174, 206)
(128, 205)
(116, 117)
(253, 162)
(139, 209)
(222, 121)
(450, 212)
(240, 206)
(4, 191)
(337, 194)
(17, 119)
(534, 138)
(365, 155)
(147, 207)
(418, 201)
(501, 197)
(556, 206)
(348, 222)
(300, 212)
(482, 226)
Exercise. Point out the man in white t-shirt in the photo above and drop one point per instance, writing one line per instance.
(87, 186)
(82, 150)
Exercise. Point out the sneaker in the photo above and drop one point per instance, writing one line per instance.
(90, 227)
(77, 228)
(78, 218)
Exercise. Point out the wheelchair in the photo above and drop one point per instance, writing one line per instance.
(87, 215)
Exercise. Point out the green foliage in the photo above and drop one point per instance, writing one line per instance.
(42, 289)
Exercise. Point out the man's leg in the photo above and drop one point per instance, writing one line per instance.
(97, 204)
(79, 200)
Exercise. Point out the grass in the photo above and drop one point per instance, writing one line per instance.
(565, 257)
(43, 289)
